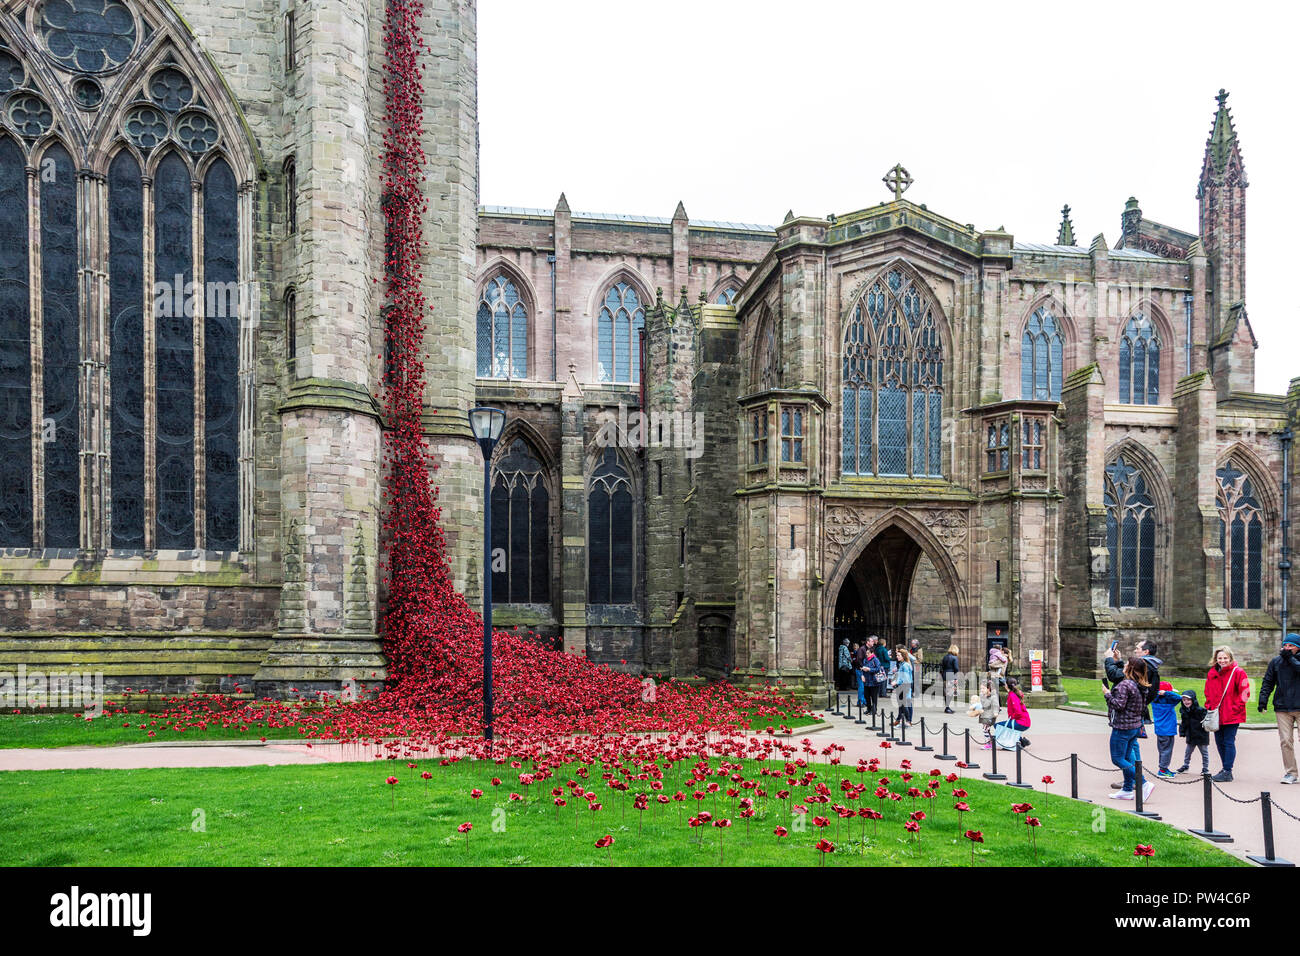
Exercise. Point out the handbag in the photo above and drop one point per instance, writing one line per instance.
(1210, 722)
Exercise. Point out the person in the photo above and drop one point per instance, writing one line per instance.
(649, 692)
(1146, 650)
(1017, 714)
(1227, 688)
(843, 664)
(948, 670)
(873, 676)
(1164, 713)
(856, 657)
(903, 681)
(1190, 715)
(998, 660)
(917, 656)
(1125, 704)
(990, 710)
(1283, 676)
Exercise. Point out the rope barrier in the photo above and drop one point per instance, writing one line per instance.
(1231, 797)
(1286, 813)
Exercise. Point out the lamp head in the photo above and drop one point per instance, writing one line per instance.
(486, 423)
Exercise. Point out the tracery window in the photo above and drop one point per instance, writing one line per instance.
(610, 537)
(621, 318)
(997, 444)
(502, 331)
(1041, 357)
(1130, 535)
(892, 402)
(792, 433)
(520, 529)
(139, 237)
(291, 329)
(767, 367)
(726, 296)
(1241, 538)
(1032, 430)
(1139, 363)
(758, 437)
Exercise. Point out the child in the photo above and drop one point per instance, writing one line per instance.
(648, 690)
(1192, 713)
(1165, 715)
(991, 708)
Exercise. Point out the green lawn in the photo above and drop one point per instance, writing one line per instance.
(346, 815)
(1086, 692)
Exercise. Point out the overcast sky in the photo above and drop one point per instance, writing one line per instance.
(1002, 113)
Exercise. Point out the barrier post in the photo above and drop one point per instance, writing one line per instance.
(1019, 783)
(1137, 793)
(971, 765)
(1209, 833)
(902, 740)
(1269, 858)
(945, 755)
(995, 775)
(923, 748)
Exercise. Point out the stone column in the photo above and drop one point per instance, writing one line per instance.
(1197, 593)
(573, 519)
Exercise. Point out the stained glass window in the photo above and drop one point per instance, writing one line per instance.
(997, 445)
(126, 340)
(767, 371)
(726, 296)
(758, 437)
(15, 352)
(892, 399)
(792, 433)
(1139, 363)
(502, 331)
(621, 318)
(1041, 357)
(610, 537)
(221, 357)
(1130, 536)
(520, 529)
(1241, 538)
(1031, 442)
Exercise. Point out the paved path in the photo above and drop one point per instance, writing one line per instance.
(1055, 734)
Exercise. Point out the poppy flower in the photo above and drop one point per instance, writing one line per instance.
(781, 832)
(476, 793)
(1145, 851)
(975, 836)
(918, 815)
(825, 846)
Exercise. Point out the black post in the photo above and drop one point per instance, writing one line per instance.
(945, 755)
(893, 735)
(923, 748)
(1284, 565)
(1074, 776)
(903, 742)
(1137, 793)
(995, 775)
(859, 720)
(970, 764)
(1019, 783)
(1209, 833)
(884, 723)
(487, 594)
(1269, 858)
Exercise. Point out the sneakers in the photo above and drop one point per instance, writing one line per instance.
(1167, 774)
(1184, 768)
(987, 747)
(1289, 778)
(1146, 790)
(1116, 786)
(947, 710)
(1223, 776)
(1122, 795)
(1024, 743)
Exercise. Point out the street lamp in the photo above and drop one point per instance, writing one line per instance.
(486, 424)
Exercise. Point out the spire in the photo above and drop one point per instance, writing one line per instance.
(680, 212)
(1065, 235)
(1223, 137)
(562, 205)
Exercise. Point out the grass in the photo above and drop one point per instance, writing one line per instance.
(346, 815)
(1086, 692)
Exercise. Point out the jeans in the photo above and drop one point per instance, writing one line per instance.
(873, 694)
(1225, 741)
(1124, 754)
(949, 689)
(862, 692)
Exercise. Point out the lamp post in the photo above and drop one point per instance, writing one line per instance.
(486, 424)
(1287, 436)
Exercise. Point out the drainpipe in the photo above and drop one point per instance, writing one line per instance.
(555, 369)
(1187, 306)
(1284, 566)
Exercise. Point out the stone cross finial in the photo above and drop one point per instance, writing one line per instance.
(1222, 98)
(898, 179)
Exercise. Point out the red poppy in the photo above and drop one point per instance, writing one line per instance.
(975, 836)
(605, 841)
(1144, 850)
(918, 815)
(781, 831)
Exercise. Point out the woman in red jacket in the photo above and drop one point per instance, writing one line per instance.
(1228, 688)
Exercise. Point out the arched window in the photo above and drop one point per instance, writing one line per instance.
(610, 537)
(1040, 357)
(1130, 536)
(1241, 538)
(521, 510)
(767, 365)
(291, 329)
(621, 317)
(502, 331)
(892, 401)
(290, 196)
(1139, 363)
(134, 207)
(726, 296)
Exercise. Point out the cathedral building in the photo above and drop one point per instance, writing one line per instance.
(728, 446)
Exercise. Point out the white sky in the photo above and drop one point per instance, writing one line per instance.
(1002, 113)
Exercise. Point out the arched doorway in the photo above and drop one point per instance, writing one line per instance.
(873, 598)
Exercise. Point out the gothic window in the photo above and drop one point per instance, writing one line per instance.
(997, 446)
(792, 433)
(521, 541)
(758, 438)
(610, 537)
(726, 296)
(291, 329)
(1241, 538)
(290, 42)
(621, 318)
(1033, 428)
(1139, 363)
(133, 208)
(892, 400)
(1041, 357)
(1130, 536)
(767, 371)
(502, 331)
(290, 196)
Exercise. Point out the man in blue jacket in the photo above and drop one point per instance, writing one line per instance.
(1283, 676)
(1165, 714)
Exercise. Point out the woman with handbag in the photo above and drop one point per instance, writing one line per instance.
(1227, 688)
(1125, 704)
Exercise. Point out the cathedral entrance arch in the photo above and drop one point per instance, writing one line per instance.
(897, 579)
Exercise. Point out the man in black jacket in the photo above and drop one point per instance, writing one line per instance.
(1283, 675)
(1146, 650)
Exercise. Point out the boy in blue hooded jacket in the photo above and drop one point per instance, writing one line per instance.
(1164, 714)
